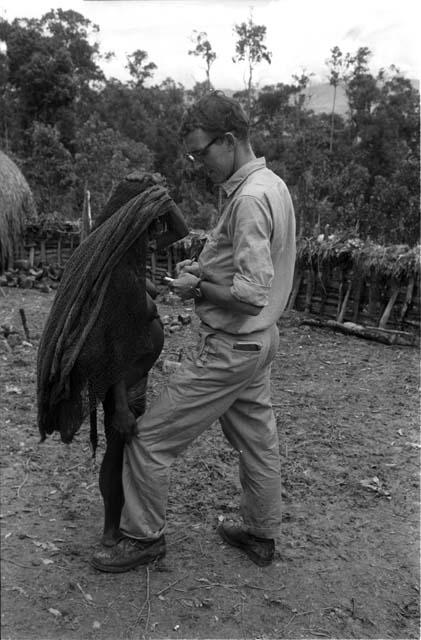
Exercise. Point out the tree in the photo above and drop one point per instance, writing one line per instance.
(51, 64)
(204, 49)
(72, 30)
(103, 158)
(138, 68)
(361, 88)
(335, 64)
(250, 48)
(6, 102)
(299, 91)
(39, 72)
(50, 172)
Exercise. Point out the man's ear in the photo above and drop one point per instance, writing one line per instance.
(230, 139)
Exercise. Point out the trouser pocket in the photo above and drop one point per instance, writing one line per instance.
(247, 346)
(202, 350)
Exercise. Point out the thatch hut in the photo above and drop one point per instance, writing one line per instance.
(16, 207)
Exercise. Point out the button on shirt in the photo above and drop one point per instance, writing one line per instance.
(251, 250)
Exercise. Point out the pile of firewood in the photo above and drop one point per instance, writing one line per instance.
(25, 276)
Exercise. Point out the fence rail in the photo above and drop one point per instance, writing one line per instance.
(339, 294)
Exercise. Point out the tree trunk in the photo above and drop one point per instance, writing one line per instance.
(249, 90)
(332, 120)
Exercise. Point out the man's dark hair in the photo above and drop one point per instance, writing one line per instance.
(217, 114)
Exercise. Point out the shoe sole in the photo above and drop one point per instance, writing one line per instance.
(127, 567)
(261, 562)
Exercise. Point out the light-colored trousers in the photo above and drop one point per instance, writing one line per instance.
(227, 377)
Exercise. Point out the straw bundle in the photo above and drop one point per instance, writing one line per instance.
(366, 257)
(16, 207)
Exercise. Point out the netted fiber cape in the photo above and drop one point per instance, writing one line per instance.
(98, 324)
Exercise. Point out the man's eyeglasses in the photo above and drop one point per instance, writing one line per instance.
(194, 156)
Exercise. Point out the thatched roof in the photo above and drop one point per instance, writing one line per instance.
(16, 206)
(366, 257)
(50, 225)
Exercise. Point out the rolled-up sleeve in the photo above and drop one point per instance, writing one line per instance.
(251, 228)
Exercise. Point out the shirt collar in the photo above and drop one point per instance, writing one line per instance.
(230, 185)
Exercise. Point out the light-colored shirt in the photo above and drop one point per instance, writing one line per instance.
(251, 250)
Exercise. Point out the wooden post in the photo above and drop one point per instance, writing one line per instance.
(43, 253)
(372, 296)
(298, 276)
(309, 290)
(389, 306)
(408, 298)
(170, 261)
(86, 225)
(31, 255)
(59, 251)
(340, 293)
(341, 314)
(324, 283)
(24, 323)
(357, 298)
(153, 267)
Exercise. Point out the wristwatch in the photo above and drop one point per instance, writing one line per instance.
(197, 293)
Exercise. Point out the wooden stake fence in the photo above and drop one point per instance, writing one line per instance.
(340, 294)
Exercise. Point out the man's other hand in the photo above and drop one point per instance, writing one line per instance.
(187, 266)
(185, 285)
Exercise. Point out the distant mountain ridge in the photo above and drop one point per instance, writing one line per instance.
(319, 97)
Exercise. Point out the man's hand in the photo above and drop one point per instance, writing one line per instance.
(185, 285)
(187, 266)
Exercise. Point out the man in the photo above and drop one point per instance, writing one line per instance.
(241, 285)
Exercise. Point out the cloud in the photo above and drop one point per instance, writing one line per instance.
(354, 33)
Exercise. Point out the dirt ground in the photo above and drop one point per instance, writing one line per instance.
(347, 560)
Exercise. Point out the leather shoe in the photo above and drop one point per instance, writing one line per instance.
(260, 550)
(127, 554)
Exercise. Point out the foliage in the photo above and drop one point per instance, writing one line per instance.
(103, 158)
(251, 49)
(335, 65)
(204, 50)
(138, 68)
(70, 128)
(50, 166)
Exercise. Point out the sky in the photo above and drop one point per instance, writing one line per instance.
(300, 34)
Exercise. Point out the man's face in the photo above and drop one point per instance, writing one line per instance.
(216, 154)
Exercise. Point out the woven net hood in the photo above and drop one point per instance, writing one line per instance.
(98, 325)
